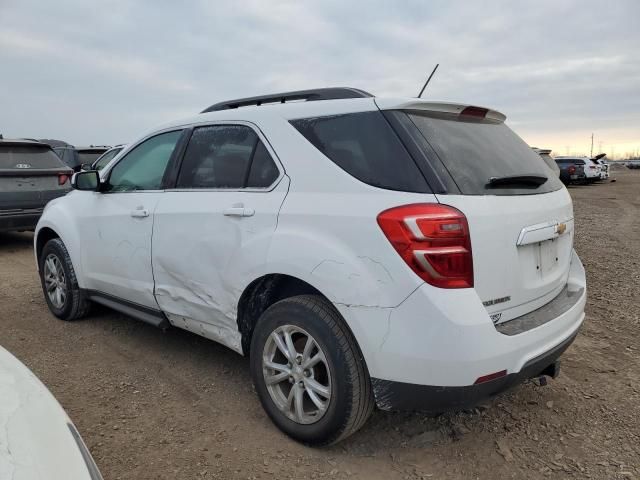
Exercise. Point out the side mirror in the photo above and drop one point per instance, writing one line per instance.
(88, 180)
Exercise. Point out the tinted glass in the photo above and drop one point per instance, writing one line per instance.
(68, 156)
(365, 146)
(550, 162)
(571, 161)
(28, 157)
(106, 158)
(144, 166)
(476, 150)
(263, 169)
(217, 156)
(89, 157)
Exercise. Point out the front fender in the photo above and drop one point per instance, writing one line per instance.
(57, 217)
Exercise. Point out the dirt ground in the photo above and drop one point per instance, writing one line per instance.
(154, 405)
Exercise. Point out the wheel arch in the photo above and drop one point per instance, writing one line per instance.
(42, 237)
(266, 290)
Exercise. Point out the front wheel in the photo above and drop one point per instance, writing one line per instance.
(308, 371)
(59, 284)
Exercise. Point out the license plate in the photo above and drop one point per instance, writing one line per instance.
(573, 177)
(548, 256)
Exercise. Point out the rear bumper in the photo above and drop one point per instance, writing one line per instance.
(12, 220)
(406, 396)
(428, 352)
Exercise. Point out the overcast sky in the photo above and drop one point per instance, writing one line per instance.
(105, 72)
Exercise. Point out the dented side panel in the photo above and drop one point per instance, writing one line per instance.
(203, 258)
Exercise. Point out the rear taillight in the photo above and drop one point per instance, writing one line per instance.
(571, 169)
(62, 178)
(433, 240)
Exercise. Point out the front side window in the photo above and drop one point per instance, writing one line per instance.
(143, 167)
(226, 156)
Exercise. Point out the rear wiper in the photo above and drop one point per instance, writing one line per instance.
(527, 179)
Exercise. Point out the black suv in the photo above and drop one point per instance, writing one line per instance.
(571, 170)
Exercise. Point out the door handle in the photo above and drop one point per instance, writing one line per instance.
(140, 212)
(238, 211)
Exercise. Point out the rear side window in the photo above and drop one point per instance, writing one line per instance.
(365, 146)
(474, 151)
(28, 157)
(226, 156)
(263, 171)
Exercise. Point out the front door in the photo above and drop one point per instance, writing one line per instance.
(118, 221)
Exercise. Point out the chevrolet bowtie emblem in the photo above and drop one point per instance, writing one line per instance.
(561, 228)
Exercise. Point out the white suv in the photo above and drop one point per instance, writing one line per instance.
(362, 251)
(592, 169)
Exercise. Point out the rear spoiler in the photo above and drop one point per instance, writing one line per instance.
(439, 107)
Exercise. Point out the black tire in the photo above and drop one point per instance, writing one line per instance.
(351, 400)
(76, 304)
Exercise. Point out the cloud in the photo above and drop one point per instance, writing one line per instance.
(104, 72)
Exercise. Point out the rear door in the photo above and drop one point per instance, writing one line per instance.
(31, 174)
(212, 232)
(520, 216)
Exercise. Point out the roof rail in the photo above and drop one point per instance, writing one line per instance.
(307, 95)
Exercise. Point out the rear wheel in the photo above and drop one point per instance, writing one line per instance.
(308, 371)
(59, 284)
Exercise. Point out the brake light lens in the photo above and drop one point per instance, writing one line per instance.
(475, 112)
(433, 240)
(62, 178)
(571, 170)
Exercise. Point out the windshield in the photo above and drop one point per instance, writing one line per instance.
(474, 151)
(106, 158)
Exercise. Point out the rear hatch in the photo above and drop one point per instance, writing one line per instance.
(31, 174)
(519, 214)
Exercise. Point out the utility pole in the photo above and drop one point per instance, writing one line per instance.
(592, 145)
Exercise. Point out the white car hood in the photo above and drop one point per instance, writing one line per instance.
(36, 435)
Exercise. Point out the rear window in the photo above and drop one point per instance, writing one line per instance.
(474, 151)
(28, 157)
(365, 146)
(566, 161)
(89, 156)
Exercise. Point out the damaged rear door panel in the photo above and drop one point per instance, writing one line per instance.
(212, 232)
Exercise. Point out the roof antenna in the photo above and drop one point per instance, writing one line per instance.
(428, 80)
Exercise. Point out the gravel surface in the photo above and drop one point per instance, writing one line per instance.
(154, 405)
